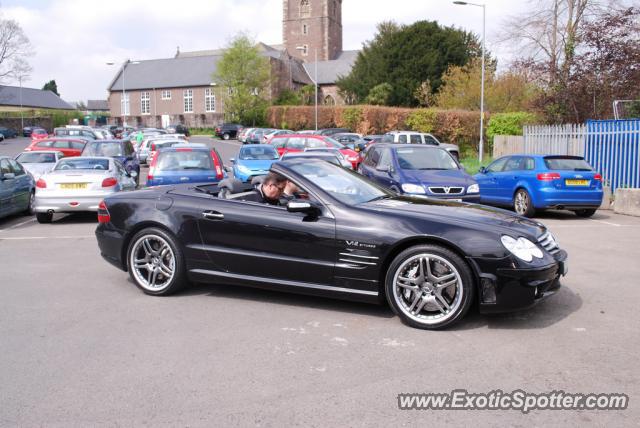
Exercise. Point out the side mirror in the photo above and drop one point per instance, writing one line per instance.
(383, 168)
(301, 207)
(8, 176)
(482, 170)
(232, 160)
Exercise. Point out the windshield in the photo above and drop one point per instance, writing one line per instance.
(185, 160)
(37, 158)
(424, 158)
(334, 143)
(567, 164)
(104, 149)
(348, 187)
(258, 153)
(83, 163)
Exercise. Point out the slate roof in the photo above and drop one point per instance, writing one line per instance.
(31, 97)
(97, 105)
(330, 71)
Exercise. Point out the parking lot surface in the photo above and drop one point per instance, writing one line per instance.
(81, 345)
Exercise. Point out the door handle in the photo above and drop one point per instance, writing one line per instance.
(213, 215)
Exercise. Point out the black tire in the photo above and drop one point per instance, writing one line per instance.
(154, 258)
(225, 136)
(585, 213)
(44, 218)
(32, 197)
(522, 204)
(458, 300)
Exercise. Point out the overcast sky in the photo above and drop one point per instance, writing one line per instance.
(74, 39)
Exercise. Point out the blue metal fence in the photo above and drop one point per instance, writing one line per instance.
(612, 147)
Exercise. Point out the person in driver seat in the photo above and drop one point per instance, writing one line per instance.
(270, 191)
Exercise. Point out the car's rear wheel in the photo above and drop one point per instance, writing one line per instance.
(522, 204)
(156, 263)
(44, 217)
(429, 287)
(585, 213)
(32, 200)
(225, 136)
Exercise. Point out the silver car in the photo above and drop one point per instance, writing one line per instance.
(39, 162)
(78, 184)
(145, 148)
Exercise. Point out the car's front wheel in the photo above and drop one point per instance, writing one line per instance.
(522, 204)
(225, 137)
(585, 213)
(429, 287)
(156, 263)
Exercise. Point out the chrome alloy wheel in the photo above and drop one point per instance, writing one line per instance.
(152, 262)
(428, 288)
(521, 203)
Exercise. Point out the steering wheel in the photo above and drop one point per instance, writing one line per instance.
(98, 167)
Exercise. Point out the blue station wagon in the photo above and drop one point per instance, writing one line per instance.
(528, 183)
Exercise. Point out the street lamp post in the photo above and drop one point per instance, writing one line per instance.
(123, 104)
(315, 80)
(464, 3)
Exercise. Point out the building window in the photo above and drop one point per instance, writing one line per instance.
(124, 105)
(209, 100)
(166, 95)
(305, 50)
(145, 103)
(329, 101)
(305, 29)
(188, 100)
(305, 9)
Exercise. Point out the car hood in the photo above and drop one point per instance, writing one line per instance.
(255, 165)
(453, 177)
(474, 215)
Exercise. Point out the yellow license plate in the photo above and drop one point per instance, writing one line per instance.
(73, 186)
(577, 182)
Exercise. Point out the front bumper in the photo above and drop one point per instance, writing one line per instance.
(504, 287)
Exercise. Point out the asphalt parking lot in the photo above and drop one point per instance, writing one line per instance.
(80, 345)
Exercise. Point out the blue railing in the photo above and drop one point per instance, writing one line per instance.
(612, 147)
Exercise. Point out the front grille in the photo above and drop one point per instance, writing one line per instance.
(548, 242)
(446, 190)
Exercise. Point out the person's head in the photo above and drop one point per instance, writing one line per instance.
(273, 186)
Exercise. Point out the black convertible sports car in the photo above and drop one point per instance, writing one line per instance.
(342, 237)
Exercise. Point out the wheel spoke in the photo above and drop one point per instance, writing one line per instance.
(165, 270)
(442, 286)
(154, 277)
(140, 263)
(423, 302)
(440, 301)
(415, 301)
(407, 279)
(146, 245)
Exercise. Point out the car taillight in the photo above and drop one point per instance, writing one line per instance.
(103, 213)
(216, 163)
(548, 176)
(597, 177)
(153, 147)
(41, 184)
(109, 182)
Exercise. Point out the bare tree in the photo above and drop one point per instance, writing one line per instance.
(15, 48)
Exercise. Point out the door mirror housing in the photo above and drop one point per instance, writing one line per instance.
(385, 168)
(8, 176)
(306, 207)
(482, 170)
(232, 160)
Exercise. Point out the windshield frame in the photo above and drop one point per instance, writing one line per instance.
(423, 148)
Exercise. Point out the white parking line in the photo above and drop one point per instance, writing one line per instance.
(606, 222)
(18, 225)
(31, 238)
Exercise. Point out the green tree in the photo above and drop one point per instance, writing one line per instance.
(51, 86)
(288, 97)
(380, 94)
(405, 56)
(247, 74)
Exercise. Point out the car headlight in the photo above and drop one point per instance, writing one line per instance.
(474, 188)
(243, 169)
(413, 188)
(522, 248)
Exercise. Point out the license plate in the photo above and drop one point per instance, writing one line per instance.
(73, 186)
(577, 182)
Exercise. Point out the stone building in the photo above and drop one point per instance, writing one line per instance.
(159, 92)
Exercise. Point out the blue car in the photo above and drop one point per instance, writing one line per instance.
(121, 150)
(186, 163)
(17, 189)
(528, 183)
(253, 160)
(419, 170)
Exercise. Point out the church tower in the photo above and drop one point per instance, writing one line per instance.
(311, 25)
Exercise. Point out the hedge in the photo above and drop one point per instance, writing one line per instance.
(509, 123)
(450, 126)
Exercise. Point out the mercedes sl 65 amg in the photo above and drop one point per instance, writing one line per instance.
(341, 236)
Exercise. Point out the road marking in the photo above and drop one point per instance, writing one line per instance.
(606, 222)
(13, 226)
(31, 238)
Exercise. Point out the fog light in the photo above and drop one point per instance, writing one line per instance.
(488, 290)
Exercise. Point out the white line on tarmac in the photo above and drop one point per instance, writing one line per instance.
(31, 238)
(606, 222)
(13, 226)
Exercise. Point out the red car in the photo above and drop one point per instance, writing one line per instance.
(68, 146)
(39, 134)
(300, 142)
